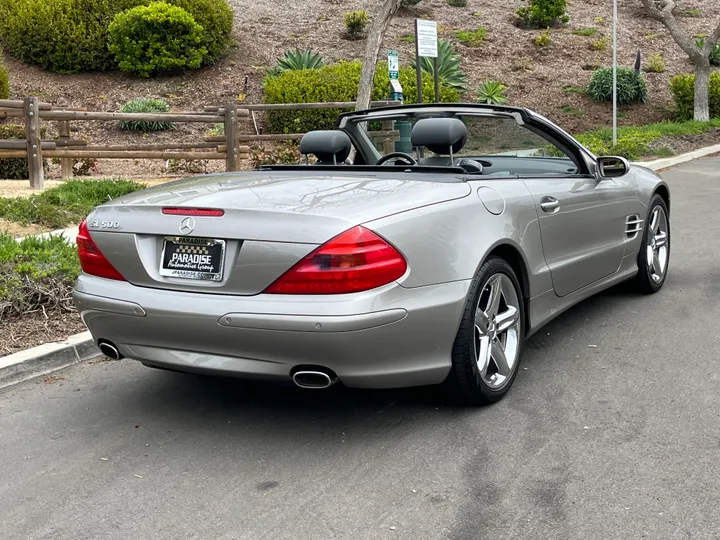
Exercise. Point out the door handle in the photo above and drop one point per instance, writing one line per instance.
(549, 204)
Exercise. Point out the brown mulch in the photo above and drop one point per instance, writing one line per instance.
(264, 29)
(20, 333)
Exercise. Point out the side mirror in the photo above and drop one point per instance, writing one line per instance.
(612, 166)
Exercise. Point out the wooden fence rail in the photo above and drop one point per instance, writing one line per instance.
(227, 146)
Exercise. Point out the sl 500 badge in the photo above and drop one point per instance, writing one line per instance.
(105, 224)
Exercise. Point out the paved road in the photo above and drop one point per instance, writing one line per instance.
(616, 441)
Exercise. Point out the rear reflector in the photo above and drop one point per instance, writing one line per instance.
(356, 260)
(92, 261)
(203, 212)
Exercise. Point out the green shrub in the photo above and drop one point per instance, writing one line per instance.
(543, 39)
(36, 274)
(449, 71)
(715, 55)
(288, 153)
(631, 88)
(587, 32)
(69, 36)
(155, 39)
(601, 44)
(16, 168)
(655, 63)
(145, 105)
(472, 38)
(543, 13)
(683, 89)
(68, 203)
(337, 82)
(492, 92)
(4, 85)
(457, 3)
(355, 23)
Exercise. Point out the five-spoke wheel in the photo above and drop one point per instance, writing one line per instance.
(654, 256)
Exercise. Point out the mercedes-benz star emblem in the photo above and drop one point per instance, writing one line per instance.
(187, 225)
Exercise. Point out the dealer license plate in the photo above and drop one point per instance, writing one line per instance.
(193, 258)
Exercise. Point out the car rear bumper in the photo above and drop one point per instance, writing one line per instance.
(390, 337)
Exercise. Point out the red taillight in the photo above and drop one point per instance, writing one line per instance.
(92, 261)
(356, 260)
(202, 212)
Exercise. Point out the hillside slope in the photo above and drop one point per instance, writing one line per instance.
(536, 75)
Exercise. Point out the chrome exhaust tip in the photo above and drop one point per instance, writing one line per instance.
(313, 379)
(110, 350)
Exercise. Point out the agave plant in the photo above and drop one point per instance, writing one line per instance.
(297, 60)
(492, 93)
(449, 71)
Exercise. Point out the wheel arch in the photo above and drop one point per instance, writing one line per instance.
(512, 255)
(664, 192)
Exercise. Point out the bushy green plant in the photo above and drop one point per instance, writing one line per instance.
(631, 88)
(543, 13)
(68, 203)
(69, 36)
(715, 55)
(4, 84)
(355, 23)
(457, 3)
(683, 89)
(306, 59)
(587, 32)
(472, 38)
(337, 82)
(601, 44)
(287, 153)
(155, 39)
(16, 168)
(145, 105)
(449, 71)
(543, 39)
(655, 63)
(36, 274)
(492, 92)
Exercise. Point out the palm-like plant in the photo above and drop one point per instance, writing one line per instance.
(449, 71)
(297, 60)
(492, 93)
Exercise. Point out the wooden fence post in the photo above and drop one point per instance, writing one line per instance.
(232, 137)
(34, 150)
(66, 164)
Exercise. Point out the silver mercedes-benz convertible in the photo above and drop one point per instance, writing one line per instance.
(414, 245)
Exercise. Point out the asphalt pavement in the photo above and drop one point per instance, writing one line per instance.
(611, 431)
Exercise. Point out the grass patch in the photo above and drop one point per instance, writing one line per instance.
(66, 204)
(36, 274)
(634, 142)
(472, 38)
(585, 32)
(410, 38)
(572, 111)
(664, 152)
(573, 90)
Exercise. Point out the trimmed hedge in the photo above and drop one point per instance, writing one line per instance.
(154, 39)
(338, 82)
(683, 89)
(70, 36)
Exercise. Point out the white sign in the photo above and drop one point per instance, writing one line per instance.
(393, 61)
(427, 40)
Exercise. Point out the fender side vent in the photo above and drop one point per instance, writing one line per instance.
(633, 226)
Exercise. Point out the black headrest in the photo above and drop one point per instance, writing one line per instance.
(324, 144)
(439, 134)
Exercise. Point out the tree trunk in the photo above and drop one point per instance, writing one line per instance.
(702, 90)
(380, 25)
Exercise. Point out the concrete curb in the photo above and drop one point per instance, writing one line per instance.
(47, 358)
(50, 357)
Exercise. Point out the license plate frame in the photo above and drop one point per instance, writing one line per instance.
(197, 273)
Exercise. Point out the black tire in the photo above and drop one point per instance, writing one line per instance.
(643, 282)
(464, 383)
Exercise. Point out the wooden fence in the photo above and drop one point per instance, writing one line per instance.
(232, 146)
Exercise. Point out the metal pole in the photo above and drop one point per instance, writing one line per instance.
(436, 80)
(614, 73)
(418, 70)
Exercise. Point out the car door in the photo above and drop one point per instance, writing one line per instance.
(582, 227)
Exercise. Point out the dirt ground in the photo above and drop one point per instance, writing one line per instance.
(537, 76)
(17, 334)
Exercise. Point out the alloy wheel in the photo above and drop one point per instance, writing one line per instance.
(657, 244)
